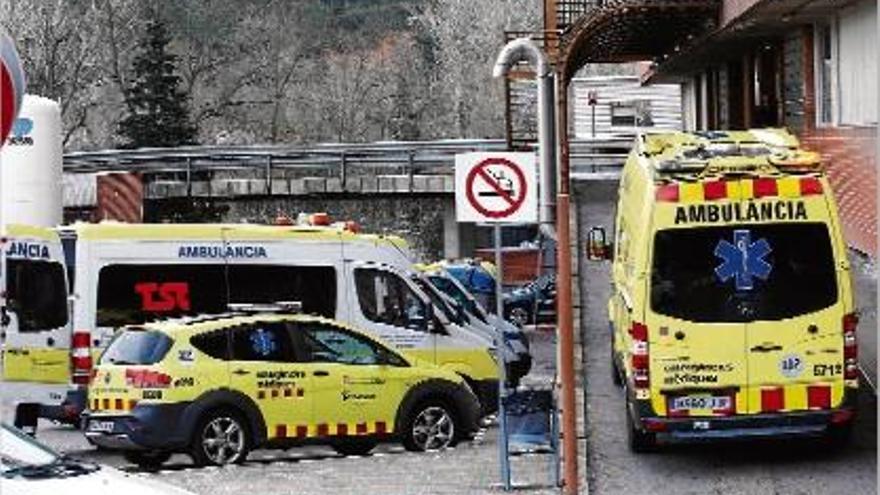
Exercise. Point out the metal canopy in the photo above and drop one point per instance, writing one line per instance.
(634, 30)
(766, 20)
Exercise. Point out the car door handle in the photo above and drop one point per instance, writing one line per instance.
(241, 372)
(321, 373)
(763, 348)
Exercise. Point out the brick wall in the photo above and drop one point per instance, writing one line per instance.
(850, 157)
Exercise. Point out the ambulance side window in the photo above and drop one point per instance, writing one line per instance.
(262, 342)
(386, 298)
(327, 344)
(214, 344)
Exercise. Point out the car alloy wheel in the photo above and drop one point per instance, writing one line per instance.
(223, 440)
(519, 317)
(433, 429)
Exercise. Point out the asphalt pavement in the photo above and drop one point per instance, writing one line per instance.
(754, 468)
(469, 468)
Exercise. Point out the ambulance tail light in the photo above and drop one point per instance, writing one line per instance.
(146, 379)
(667, 193)
(850, 347)
(640, 358)
(81, 357)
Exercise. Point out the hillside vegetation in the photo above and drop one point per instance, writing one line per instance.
(276, 71)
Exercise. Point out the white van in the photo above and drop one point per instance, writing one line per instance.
(34, 334)
(131, 273)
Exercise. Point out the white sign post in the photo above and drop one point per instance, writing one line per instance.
(497, 189)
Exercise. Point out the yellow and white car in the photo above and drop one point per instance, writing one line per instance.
(733, 311)
(216, 387)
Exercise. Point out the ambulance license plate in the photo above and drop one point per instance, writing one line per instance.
(101, 426)
(707, 402)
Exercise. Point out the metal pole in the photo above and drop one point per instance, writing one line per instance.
(502, 373)
(593, 119)
(564, 300)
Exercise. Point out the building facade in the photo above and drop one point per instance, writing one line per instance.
(811, 67)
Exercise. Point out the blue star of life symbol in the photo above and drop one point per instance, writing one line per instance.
(743, 259)
(263, 342)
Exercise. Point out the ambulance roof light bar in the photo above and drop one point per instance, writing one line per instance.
(292, 307)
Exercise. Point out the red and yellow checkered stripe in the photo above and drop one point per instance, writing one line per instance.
(739, 189)
(281, 393)
(281, 431)
(113, 405)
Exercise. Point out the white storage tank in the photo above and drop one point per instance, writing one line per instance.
(31, 166)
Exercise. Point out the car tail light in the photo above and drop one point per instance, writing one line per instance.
(850, 347)
(640, 358)
(654, 425)
(146, 379)
(842, 416)
(81, 357)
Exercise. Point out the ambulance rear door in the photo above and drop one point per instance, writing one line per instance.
(696, 351)
(35, 331)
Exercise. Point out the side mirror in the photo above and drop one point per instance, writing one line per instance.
(598, 246)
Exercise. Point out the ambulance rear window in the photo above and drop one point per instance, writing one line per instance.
(743, 273)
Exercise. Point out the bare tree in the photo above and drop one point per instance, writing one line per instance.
(467, 36)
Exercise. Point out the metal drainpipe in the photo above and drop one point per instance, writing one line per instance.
(524, 49)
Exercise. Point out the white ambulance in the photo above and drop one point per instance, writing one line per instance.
(34, 330)
(131, 273)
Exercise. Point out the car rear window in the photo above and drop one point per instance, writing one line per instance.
(137, 346)
(743, 273)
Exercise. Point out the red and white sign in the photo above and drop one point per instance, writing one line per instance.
(496, 188)
(11, 85)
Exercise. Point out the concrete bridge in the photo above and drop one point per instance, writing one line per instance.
(401, 187)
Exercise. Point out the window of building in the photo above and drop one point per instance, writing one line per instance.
(631, 113)
(824, 50)
(857, 64)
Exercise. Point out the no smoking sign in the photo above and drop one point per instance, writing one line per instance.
(496, 188)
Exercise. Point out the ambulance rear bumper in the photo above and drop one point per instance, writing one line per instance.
(759, 426)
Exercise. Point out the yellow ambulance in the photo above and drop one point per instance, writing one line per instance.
(732, 309)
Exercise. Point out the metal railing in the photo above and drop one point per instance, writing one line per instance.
(569, 11)
(349, 166)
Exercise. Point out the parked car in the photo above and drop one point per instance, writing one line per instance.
(216, 387)
(534, 302)
(28, 467)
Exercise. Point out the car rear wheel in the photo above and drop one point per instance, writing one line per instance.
(639, 441)
(431, 426)
(355, 446)
(615, 369)
(839, 436)
(147, 460)
(221, 438)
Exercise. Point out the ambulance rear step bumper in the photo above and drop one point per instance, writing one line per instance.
(733, 433)
(796, 424)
